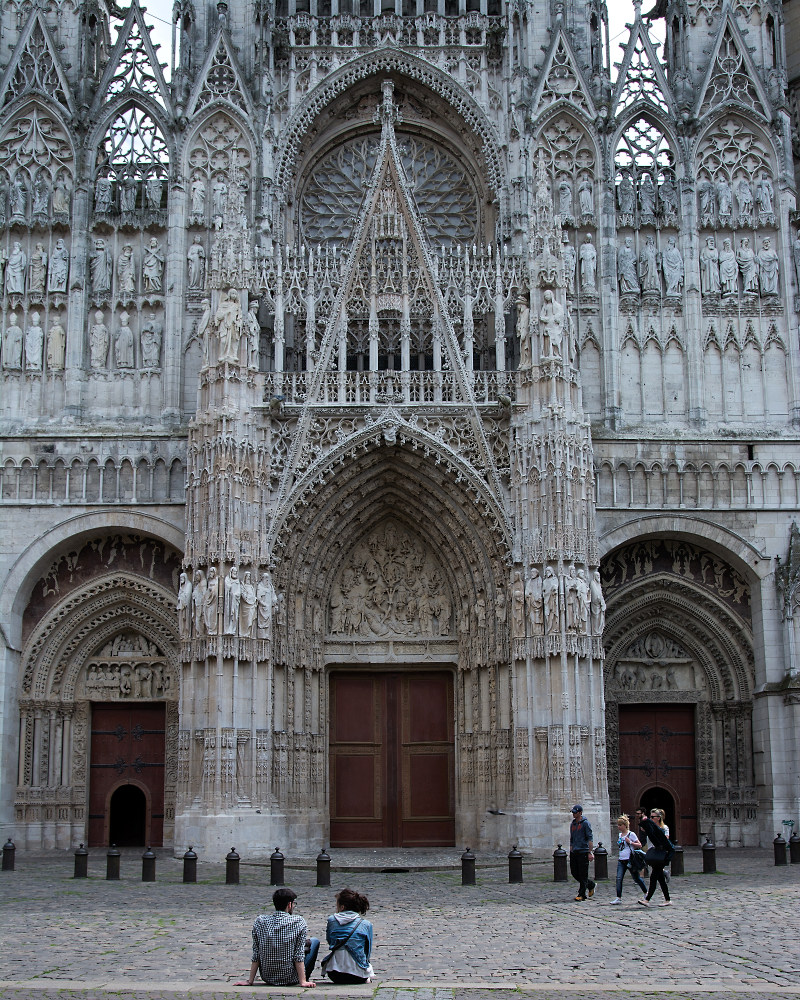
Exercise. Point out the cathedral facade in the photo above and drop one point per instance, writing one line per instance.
(400, 411)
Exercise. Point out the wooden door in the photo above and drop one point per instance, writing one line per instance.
(657, 750)
(128, 743)
(392, 760)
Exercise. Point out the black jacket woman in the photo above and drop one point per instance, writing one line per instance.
(658, 856)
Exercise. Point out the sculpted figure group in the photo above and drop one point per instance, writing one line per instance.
(239, 607)
(537, 605)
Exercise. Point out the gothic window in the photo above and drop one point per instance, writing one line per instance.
(641, 82)
(645, 177)
(219, 158)
(734, 177)
(132, 165)
(134, 69)
(221, 82)
(730, 79)
(443, 192)
(35, 148)
(570, 157)
(36, 70)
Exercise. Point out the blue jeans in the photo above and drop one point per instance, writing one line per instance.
(622, 867)
(311, 956)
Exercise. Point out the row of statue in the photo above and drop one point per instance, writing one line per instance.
(538, 603)
(754, 201)
(41, 201)
(565, 199)
(101, 268)
(151, 335)
(652, 201)
(198, 199)
(128, 192)
(36, 274)
(27, 350)
(642, 273)
(721, 268)
(222, 333)
(584, 260)
(232, 606)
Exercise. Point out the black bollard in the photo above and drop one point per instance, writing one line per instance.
(323, 868)
(276, 868)
(560, 865)
(232, 868)
(709, 857)
(148, 866)
(600, 863)
(779, 848)
(81, 863)
(467, 867)
(9, 855)
(514, 865)
(794, 849)
(676, 865)
(112, 863)
(190, 866)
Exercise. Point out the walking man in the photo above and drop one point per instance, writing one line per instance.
(581, 853)
(279, 945)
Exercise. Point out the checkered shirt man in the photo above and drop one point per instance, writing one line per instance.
(279, 940)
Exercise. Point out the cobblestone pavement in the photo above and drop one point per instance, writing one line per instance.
(731, 934)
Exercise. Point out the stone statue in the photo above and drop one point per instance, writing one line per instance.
(61, 196)
(247, 606)
(586, 197)
(550, 597)
(724, 199)
(551, 326)
(12, 345)
(705, 189)
(41, 195)
(571, 599)
(626, 195)
(198, 601)
(34, 343)
(253, 336)
(672, 265)
(565, 198)
(524, 331)
(796, 258)
(211, 603)
(768, 267)
(748, 266)
(151, 335)
(709, 267)
(37, 271)
(668, 193)
(744, 199)
(100, 268)
(518, 606)
(233, 596)
(153, 266)
(18, 198)
(765, 194)
(648, 266)
(266, 599)
(103, 193)
(728, 268)
(647, 197)
(59, 268)
(204, 331)
(588, 259)
(584, 603)
(597, 604)
(535, 601)
(198, 196)
(228, 324)
(153, 190)
(123, 346)
(626, 268)
(127, 194)
(15, 270)
(219, 190)
(126, 271)
(570, 256)
(196, 258)
(98, 341)
(56, 347)
(184, 606)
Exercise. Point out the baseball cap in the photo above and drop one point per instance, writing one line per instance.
(577, 809)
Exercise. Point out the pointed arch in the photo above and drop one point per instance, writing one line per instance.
(641, 83)
(732, 76)
(221, 81)
(646, 168)
(35, 67)
(133, 68)
(561, 79)
(573, 160)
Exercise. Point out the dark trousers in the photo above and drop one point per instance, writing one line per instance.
(344, 977)
(657, 877)
(579, 867)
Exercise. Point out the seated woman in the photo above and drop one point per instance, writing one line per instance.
(349, 935)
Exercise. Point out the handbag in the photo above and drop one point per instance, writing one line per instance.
(656, 856)
(339, 944)
(637, 859)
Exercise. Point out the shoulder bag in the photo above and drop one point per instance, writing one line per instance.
(340, 944)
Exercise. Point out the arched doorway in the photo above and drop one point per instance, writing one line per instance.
(127, 821)
(659, 798)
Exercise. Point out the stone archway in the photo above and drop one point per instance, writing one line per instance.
(679, 647)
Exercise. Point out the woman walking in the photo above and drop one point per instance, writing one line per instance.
(627, 843)
(349, 935)
(659, 855)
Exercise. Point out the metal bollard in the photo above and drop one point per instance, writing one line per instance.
(323, 868)
(467, 867)
(81, 863)
(794, 849)
(276, 868)
(112, 863)
(148, 866)
(676, 865)
(232, 868)
(190, 866)
(560, 865)
(709, 857)
(779, 848)
(514, 865)
(9, 855)
(600, 863)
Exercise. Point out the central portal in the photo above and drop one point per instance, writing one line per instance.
(391, 760)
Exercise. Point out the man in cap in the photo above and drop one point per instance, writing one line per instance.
(581, 853)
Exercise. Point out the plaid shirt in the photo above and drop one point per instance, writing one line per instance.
(279, 940)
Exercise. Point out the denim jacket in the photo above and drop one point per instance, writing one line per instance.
(360, 944)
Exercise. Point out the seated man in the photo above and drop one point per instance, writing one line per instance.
(279, 945)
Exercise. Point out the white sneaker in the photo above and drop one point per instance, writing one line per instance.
(616, 901)
(643, 902)
(667, 902)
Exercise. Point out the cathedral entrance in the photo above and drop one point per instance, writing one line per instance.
(657, 764)
(126, 790)
(392, 760)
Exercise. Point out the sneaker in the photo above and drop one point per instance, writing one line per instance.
(643, 902)
(667, 902)
(580, 899)
(616, 902)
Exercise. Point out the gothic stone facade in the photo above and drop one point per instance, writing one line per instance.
(399, 423)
